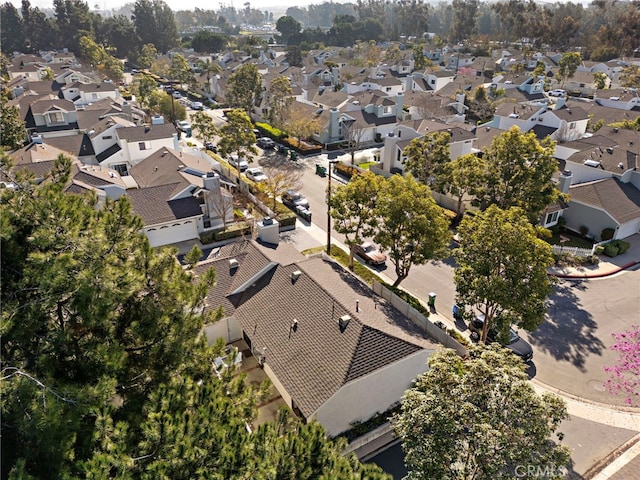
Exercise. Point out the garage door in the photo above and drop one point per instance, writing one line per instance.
(172, 233)
(627, 229)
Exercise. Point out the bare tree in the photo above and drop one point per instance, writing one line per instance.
(353, 133)
(281, 178)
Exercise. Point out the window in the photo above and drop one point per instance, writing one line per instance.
(107, 137)
(552, 218)
(94, 95)
(121, 168)
(387, 110)
(144, 145)
(55, 117)
(388, 89)
(572, 125)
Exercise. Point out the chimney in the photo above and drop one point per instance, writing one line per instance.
(564, 181)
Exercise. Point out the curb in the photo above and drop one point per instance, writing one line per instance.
(586, 401)
(597, 471)
(596, 274)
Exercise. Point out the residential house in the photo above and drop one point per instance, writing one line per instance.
(621, 99)
(51, 117)
(392, 156)
(600, 173)
(86, 93)
(121, 147)
(188, 195)
(341, 358)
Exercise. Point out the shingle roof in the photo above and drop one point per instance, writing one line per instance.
(79, 145)
(146, 133)
(620, 200)
(154, 206)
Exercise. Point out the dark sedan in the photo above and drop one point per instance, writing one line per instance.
(514, 343)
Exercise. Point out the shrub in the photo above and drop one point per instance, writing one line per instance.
(286, 219)
(599, 250)
(621, 245)
(562, 222)
(607, 234)
(271, 131)
(610, 249)
(594, 259)
(346, 170)
(232, 231)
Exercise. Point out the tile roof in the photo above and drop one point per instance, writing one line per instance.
(315, 359)
(620, 200)
(154, 206)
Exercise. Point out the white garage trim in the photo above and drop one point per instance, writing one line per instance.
(172, 232)
(627, 229)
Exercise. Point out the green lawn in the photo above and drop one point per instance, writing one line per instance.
(574, 240)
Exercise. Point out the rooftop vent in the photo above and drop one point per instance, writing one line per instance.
(233, 263)
(592, 163)
(609, 150)
(295, 275)
(267, 221)
(343, 321)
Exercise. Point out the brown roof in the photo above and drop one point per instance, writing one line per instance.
(147, 132)
(314, 360)
(620, 200)
(154, 206)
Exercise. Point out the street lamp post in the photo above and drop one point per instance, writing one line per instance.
(331, 163)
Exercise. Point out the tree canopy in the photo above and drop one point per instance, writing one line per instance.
(353, 209)
(502, 270)
(244, 87)
(427, 157)
(237, 137)
(479, 418)
(411, 225)
(519, 173)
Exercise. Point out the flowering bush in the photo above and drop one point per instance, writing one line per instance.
(625, 374)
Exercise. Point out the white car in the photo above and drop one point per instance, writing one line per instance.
(255, 174)
(235, 162)
(557, 93)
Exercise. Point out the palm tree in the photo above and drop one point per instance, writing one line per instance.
(210, 68)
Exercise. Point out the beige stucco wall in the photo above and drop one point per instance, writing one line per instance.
(368, 395)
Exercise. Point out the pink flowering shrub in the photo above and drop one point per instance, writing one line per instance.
(625, 374)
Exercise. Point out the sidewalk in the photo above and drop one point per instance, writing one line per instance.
(607, 266)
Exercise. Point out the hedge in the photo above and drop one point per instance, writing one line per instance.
(270, 131)
(235, 230)
(286, 219)
(616, 247)
(346, 170)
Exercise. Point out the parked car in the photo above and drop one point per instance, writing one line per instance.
(177, 95)
(370, 254)
(255, 174)
(515, 343)
(265, 143)
(211, 147)
(235, 162)
(197, 106)
(185, 127)
(558, 92)
(293, 199)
